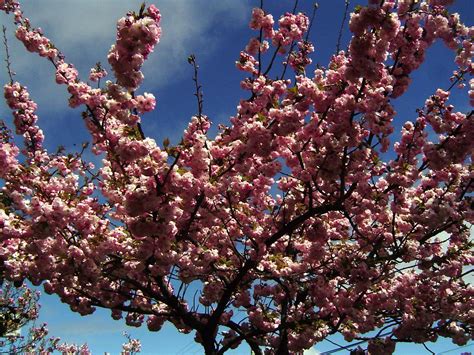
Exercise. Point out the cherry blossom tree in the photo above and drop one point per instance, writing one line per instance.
(306, 216)
(19, 311)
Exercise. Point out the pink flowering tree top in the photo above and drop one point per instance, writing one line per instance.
(291, 224)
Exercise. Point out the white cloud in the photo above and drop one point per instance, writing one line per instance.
(311, 351)
(84, 30)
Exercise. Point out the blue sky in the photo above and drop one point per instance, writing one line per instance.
(215, 31)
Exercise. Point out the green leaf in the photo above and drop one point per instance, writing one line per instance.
(293, 90)
(261, 117)
(181, 171)
(132, 132)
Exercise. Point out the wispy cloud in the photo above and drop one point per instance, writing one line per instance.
(93, 327)
(311, 351)
(84, 30)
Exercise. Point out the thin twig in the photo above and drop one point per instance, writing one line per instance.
(285, 66)
(272, 60)
(428, 349)
(313, 16)
(7, 59)
(198, 94)
(295, 7)
(343, 22)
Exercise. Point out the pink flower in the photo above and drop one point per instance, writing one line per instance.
(145, 102)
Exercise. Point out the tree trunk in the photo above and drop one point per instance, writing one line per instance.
(208, 342)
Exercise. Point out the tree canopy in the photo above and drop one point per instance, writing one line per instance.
(305, 216)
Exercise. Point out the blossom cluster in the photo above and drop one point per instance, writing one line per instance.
(137, 34)
(25, 118)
